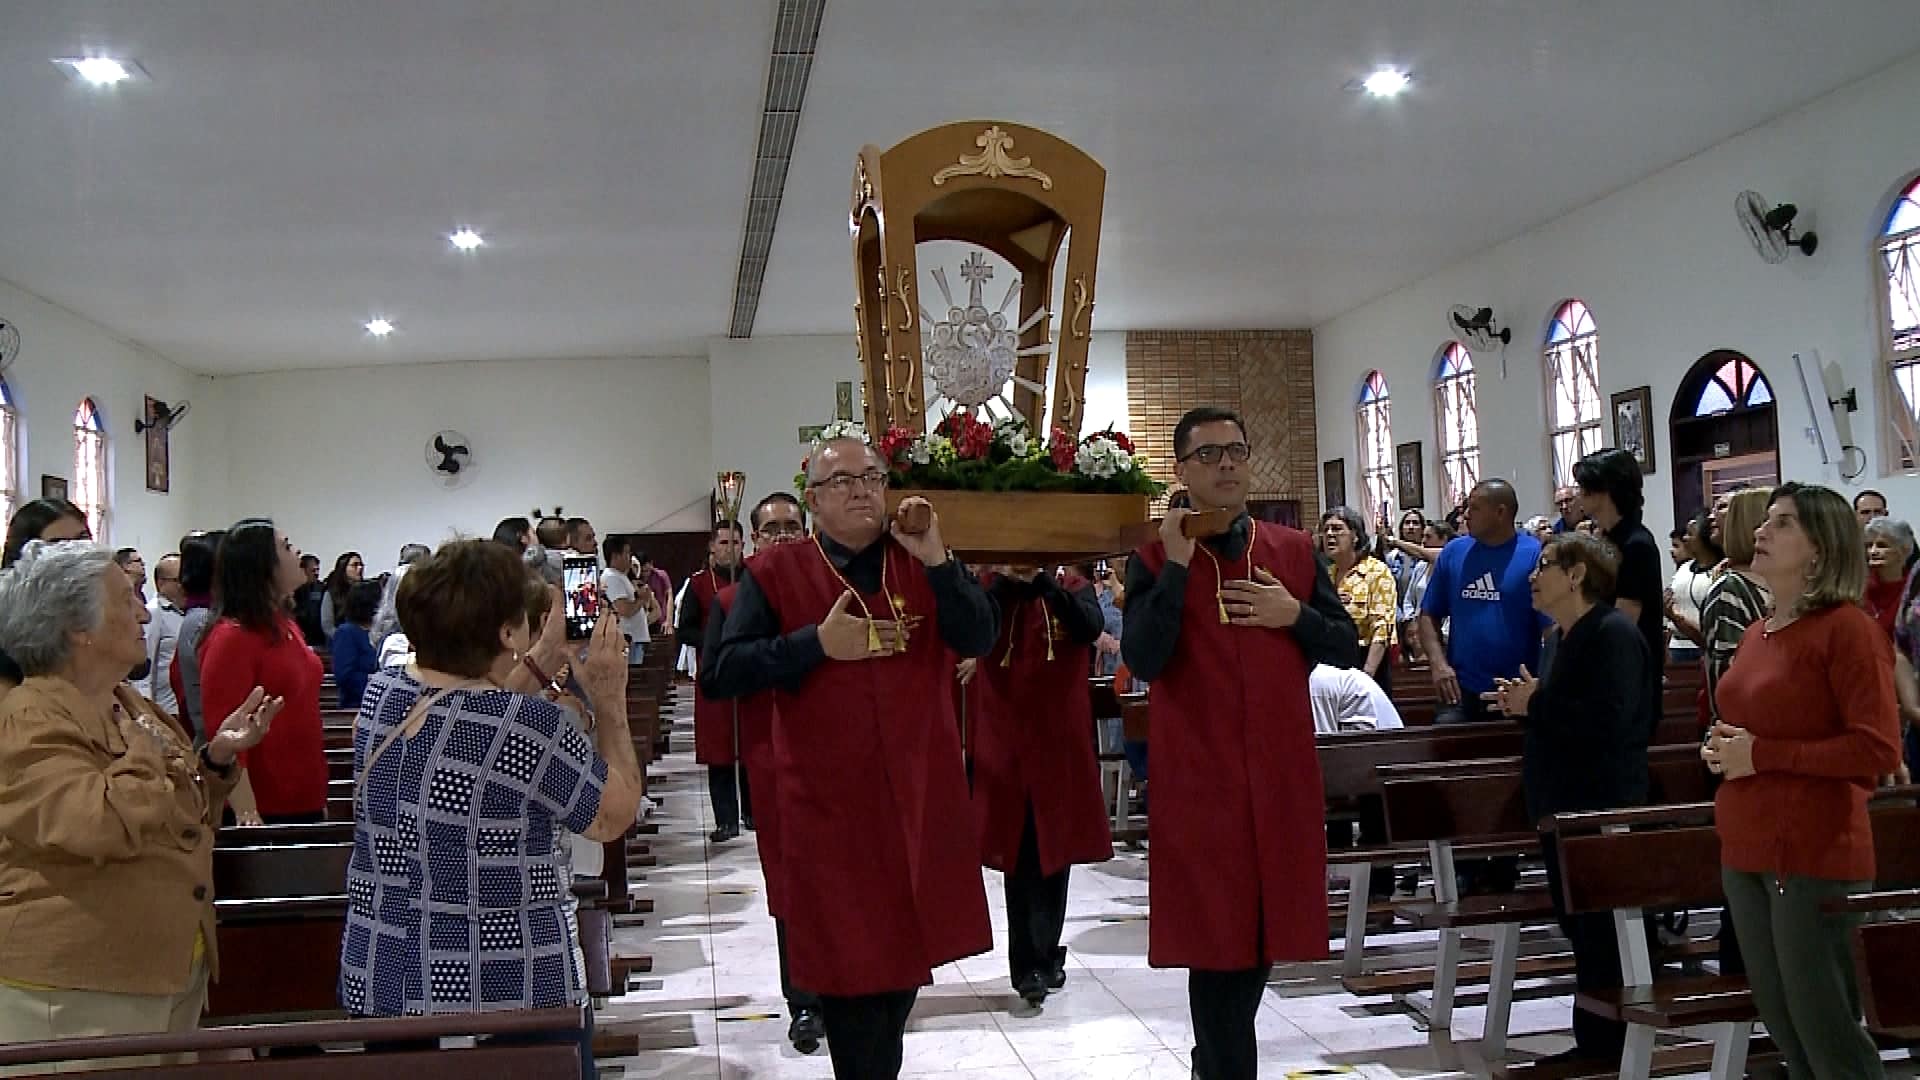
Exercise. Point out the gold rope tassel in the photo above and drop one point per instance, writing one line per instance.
(873, 638)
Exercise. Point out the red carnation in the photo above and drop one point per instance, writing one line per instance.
(895, 444)
(1063, 448)
(972, 439)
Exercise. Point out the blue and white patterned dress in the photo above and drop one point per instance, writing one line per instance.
(456, 895)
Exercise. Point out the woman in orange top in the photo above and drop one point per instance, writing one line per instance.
(1808, 728)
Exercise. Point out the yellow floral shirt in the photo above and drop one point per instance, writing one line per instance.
(1368, 592)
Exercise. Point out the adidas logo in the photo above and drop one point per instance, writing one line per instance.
(1484, 589)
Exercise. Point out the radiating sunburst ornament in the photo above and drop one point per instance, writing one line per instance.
(971, 355)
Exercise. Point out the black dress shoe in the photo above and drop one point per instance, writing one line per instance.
(1033, 989)
(1057, 974)
(723, 834)
(748, 823)
(806, 1031)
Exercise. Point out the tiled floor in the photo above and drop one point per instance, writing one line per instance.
(712, 1008)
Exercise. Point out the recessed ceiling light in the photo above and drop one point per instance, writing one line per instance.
(100, 70)
(1387, 83)
(379, 327)
(465, 240)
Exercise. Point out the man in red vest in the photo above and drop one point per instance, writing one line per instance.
(852, 633)
(1036, 781)
(776, 520)
(1225, 632)
(713, 734)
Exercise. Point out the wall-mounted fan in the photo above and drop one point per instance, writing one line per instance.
(1476, 327)
(164, 417)
(450, 458)
(1771, 228)
(9, 345)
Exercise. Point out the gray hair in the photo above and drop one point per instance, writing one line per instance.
(54, 590)
(815, 471)
(413, 553)
(1898, 532)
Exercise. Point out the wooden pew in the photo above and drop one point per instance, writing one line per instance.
(1480, 803)
(1667, 857)
(558, 1060)
(281, 911)
(1886, 962)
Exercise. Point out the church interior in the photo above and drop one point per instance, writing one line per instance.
(1289, 302)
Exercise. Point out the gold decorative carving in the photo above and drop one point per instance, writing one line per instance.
(1081, 307)
(903, 292)
(862, 188)
(859, 351)
(994, 160)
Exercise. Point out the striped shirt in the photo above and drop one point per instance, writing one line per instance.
(457, 890)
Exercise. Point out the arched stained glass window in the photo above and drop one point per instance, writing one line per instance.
(1573, 388)
(1736, 383)
(1458, 419)
(1374, 417)
(1900, 261)
(89, 491)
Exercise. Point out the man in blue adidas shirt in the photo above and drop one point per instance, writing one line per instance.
(1480, 583)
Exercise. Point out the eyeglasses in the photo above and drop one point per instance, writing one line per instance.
(843, 485)
(772, 528)
(1548, 562)
(1212, 453)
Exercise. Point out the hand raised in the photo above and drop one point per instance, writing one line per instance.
(1262, 602)
(244, 727)
(605, 669)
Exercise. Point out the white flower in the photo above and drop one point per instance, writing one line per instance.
(921, 452)
(1019, 443)
(842, 429)
(1013, 433)
(1101, 458)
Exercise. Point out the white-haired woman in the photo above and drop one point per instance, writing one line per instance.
(1889, 547)
(107, 813)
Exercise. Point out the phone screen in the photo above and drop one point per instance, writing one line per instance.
(581, 583)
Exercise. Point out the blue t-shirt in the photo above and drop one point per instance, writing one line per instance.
(1485, 592)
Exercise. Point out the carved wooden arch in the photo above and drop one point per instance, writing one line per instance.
(1014, 190)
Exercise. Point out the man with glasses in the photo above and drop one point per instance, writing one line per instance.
(1567, 501)
(776, 519)
(168, 610)
(1221, 633)
(713, 734)
(852, 632)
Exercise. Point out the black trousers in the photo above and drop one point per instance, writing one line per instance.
(864, 1033)
(727, 801)
(1224, 1005)
(1596, 964)
(1036, 910)
(795, 997)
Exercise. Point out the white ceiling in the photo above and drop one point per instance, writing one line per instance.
(294, 165)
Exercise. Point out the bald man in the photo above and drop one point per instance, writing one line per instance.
(1480, 582)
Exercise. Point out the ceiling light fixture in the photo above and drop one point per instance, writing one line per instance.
(100, 70)
(466, 240)
(379, 327)
(1387, 83)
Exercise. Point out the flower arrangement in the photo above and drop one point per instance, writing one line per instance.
(964, 452)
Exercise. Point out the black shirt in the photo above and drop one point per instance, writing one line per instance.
(1640, 580)
(753, 655)
(1151, 633)
(690, 627)
(1077, 610)
(1586, 742)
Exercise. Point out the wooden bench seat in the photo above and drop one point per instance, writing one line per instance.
(1524, 905)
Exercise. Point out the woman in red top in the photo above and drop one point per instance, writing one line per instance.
(1889, 544)
(255, 642)
(1808, 728)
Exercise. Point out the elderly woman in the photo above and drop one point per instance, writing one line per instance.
(1808, 726)
(1889, 546)
(1586, 743)
(1366, 588)
(107, 813)
(41, 519)
(463, 775)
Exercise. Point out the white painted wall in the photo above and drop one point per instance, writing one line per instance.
(64, 358)
(1670, 276)
(337, 458)
(765, 389)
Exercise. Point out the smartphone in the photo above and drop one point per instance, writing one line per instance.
(580, 582)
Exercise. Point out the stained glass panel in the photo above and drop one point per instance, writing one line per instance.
(9, 452)
(1458, 418)
(1375, 425)
(89, 490)
(1573, 387)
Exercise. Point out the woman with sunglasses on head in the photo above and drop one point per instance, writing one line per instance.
(41, 519)
(1808, 727)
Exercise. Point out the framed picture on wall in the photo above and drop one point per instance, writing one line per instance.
(1632, 429)
(53, 487)
(1333, 484)
(1412, 478)
(159, 474)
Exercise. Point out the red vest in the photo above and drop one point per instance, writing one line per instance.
(757, 718)
(1033, 742)
(712, 720)
(1238, 877)
(883, 880)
